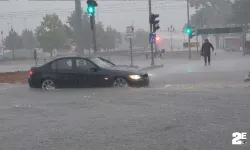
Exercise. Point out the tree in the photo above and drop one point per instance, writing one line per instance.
(86, 30)
(13, 41)
(241, 11)
(212, 12)
(70, 35)
(141, 38)
(50, 33)
(28, 40)
(68, 31)
(104, 39)
(206, 3)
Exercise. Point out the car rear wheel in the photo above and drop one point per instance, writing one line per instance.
(48, 84)
(120, 83)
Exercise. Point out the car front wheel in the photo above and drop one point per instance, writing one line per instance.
(120, 83)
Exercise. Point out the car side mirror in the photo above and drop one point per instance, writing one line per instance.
(94, 69)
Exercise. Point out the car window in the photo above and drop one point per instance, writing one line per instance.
(83, 64)
(102, 63)
(64, 64)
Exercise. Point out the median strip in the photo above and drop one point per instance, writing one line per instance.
(152, 67)
(14, 77)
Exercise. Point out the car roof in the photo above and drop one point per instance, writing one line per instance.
(65, 57)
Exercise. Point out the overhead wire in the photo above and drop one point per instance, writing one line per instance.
(107, 7)
(61, 11)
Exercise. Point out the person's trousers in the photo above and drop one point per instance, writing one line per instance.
(207, 58)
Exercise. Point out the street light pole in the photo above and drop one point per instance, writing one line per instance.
(151, 30)
(188, 21)
(171, 30)
(2, 43)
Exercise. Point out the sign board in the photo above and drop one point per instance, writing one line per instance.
(152, 37)
(219, 30)
(192, 44)
(130, 31)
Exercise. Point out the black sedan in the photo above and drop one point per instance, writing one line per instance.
(80, 72)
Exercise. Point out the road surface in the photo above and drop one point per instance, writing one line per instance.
(190, 107)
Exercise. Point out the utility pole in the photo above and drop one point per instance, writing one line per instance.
(171, 29)
(8, 26)
(11, 22)
(245, 28)
(2, 43)
(151, 30)
(188, 21)
(78, 21)
(14, 44)
(24, 19)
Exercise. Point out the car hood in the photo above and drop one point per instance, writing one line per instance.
(126, 70)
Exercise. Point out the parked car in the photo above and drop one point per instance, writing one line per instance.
(80, 72)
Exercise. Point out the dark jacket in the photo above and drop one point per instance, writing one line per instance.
(206, 48)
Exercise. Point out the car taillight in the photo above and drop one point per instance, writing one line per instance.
(30, 73)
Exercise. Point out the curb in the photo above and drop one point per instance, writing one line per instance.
(13, 71)
(152, 67)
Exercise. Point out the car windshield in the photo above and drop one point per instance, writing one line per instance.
(101, 63)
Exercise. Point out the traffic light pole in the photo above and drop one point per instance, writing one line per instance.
(151, 30)
(92, 22)
(188, 20)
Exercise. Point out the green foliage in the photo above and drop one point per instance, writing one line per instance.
(104, 39)
(28, 40)
(207, 3)
(241, 12)
(86, 30)
(141, 38)
(13, 41)
(51, 34)
(210, 12)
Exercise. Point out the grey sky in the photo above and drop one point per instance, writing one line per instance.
(117, 14)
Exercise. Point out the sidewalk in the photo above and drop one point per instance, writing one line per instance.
(25, 66)
(221, 62)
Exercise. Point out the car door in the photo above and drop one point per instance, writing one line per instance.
(87, 73)
(66, 74)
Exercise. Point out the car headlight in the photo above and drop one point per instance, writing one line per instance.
(135, 77)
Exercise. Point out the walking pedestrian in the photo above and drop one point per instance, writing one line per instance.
(206, 51)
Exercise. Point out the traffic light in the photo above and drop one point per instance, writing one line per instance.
(91, 6)
(154, 22)
(157, 38)
(189, 31)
